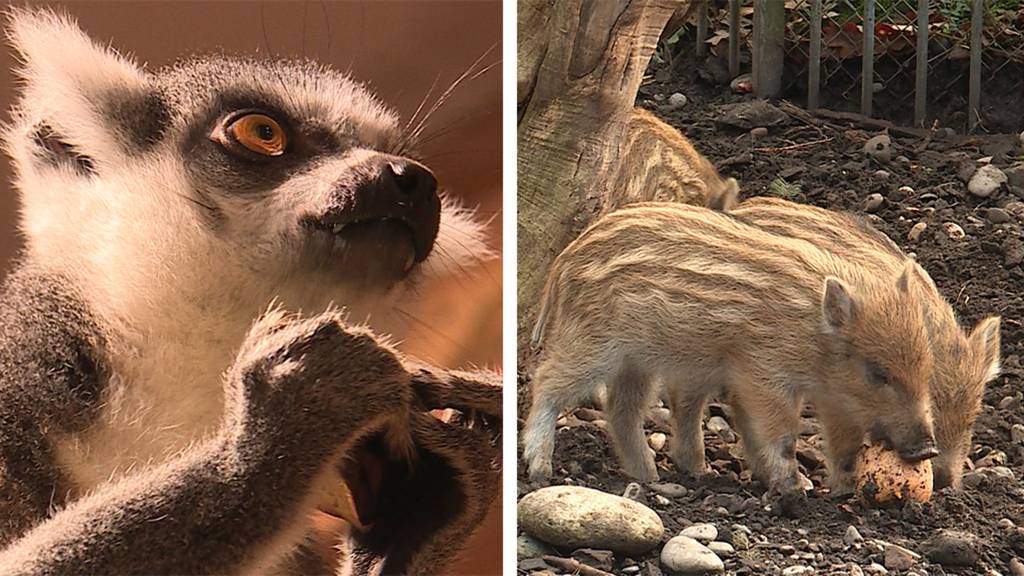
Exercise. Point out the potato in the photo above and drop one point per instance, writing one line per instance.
(884, 478)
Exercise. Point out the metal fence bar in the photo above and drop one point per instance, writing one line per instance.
(769, 47)
(702, 27)
(867, 77)
(921, 80)
(974, 95)
(734, 38)
(814, 65)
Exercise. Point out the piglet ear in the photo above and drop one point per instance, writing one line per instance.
(985, 344)
(837, 304)
(91, 97)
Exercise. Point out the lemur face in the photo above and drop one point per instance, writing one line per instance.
(301, 160)
(220, 170)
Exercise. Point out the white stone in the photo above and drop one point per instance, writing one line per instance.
(899, 558)
(954, 231)
(576, 517)
(700, 532)
(683, 555)
(668, 489)
(676, 101)
(915, 233)
(656, 441)
(986, 180)
(879, 148)
(722, 549)
(718, 425)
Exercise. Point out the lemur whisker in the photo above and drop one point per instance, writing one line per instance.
(448, 92)
(430, 329)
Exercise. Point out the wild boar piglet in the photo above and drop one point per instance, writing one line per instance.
(964, 363)
(699, 301)
(658, 163)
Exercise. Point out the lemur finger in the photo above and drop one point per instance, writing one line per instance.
(463, 390)
(473, 451)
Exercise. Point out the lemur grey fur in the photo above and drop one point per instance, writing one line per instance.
(160, 411)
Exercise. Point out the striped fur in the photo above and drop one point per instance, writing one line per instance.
(698, 300)
(658, 163)
(964, 363)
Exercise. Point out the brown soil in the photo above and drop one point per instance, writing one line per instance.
(980, 274)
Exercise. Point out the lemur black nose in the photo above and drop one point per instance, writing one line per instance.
(412, 180)
(400, 191)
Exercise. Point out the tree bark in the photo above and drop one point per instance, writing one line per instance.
(578, 81)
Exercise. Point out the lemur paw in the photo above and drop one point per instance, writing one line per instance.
(318, 373)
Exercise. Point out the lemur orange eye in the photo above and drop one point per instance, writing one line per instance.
(259, 133)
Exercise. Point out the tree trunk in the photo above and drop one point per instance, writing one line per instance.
(577, 83)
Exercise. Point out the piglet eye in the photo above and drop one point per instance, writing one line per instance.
(877, 375)
(259, 133)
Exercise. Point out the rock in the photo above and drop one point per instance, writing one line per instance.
(975, 478)
(600, 559)
(718, 425)
(879, 148)
(875, 568)
(668, 489)
(740, 540)
(915, 233)
(986, 180)
(656, 441)
(676, 101)
(532, 564)
(529, 547)
(1005, 524)
(1016, 567)
(1021, 138)
(852, 536)
(881, 174)
(951, 548)
(992, 459)
(856, 570)
(1013, 252)
(798, 571)
(1009, 403)
(899, 558)
(576, 517)
(703, 533)
(1017, 434)
(997, 215)
(1015, 175)
(722, 549)
(751, 114)
(742, 84)
(873, 202)
(661, 500)
(683, 555)
(758, 133)
(953, 231)
(905, 191)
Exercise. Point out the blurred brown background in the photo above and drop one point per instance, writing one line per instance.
(400, 49)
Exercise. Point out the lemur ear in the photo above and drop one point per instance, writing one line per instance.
(92, 98)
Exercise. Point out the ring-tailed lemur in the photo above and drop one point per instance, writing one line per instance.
(147, 424)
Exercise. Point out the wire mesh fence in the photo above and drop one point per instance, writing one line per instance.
(910, 61)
